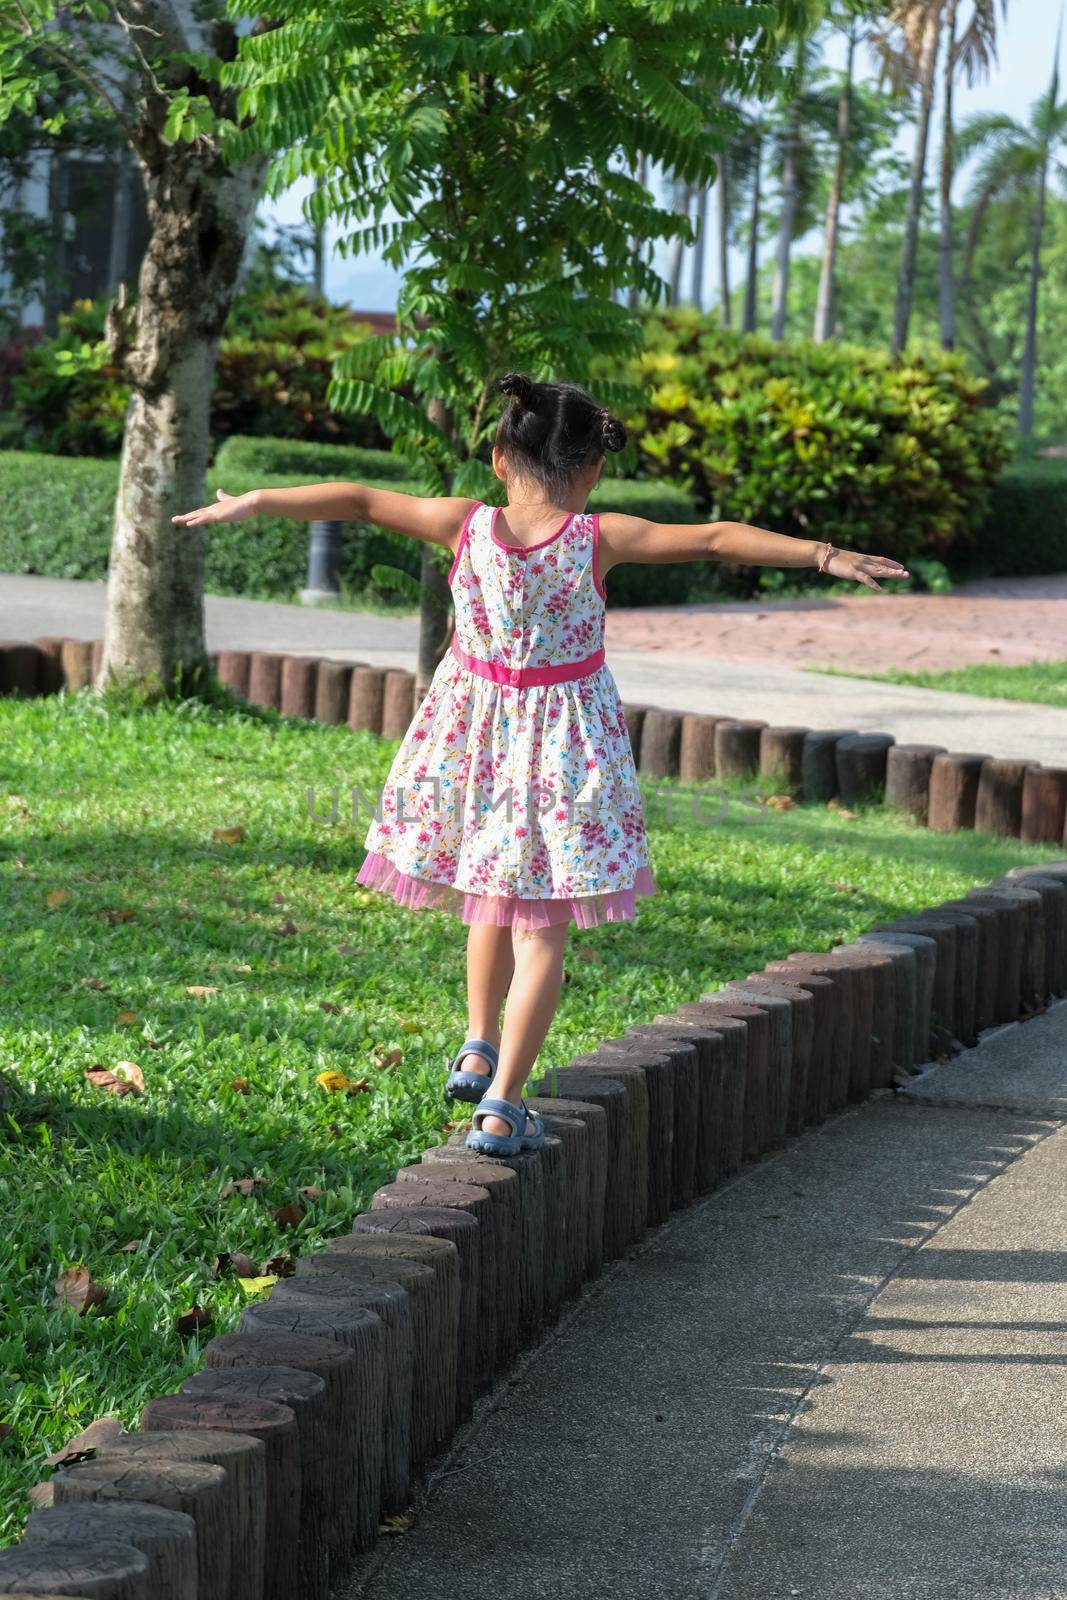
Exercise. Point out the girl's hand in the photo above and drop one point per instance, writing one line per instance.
(862, 568)
(230, 508)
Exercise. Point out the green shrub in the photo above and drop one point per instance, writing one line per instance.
(270, 378)
(65, 532)
(264, 558)
(1025, 529)
(819, 440)
(252, 457)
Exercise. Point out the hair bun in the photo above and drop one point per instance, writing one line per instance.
(519, 385)
(612, 432)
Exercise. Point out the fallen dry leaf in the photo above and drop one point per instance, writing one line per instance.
(387, 1062)
(243, 1186)
(58, 897)
(227, 835)
(124, 1019)
(195, 1318)
(122, 914)
(311, 1191)
(337, 1083)
(234, 1261)
(241, 1086)
(257, 1285)
(200, 991)
(281, 1266)
(94, 983)
(402, 1523)
(116, 1082)
(843, 812)
(131, 1248)
(290, 1216)
(76, 1289)
(84, 1445)
(781, 802)
(41, 1494)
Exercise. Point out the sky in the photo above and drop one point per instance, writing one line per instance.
(1026, 40)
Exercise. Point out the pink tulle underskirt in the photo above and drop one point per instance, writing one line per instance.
(421, 894)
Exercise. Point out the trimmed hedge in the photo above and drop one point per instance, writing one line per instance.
(266, 557)
(1025, 531)
(827, 441)
(259, 458)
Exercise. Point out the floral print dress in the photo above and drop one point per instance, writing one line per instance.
(513, 797)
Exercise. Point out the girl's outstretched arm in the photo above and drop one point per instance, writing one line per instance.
(625, 538)
(434, 519)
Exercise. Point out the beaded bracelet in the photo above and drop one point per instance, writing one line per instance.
(826, 557)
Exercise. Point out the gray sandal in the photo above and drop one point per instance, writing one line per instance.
(506, 1144)
(471, 1085)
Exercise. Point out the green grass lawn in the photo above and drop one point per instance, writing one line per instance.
(116, 902)
(1041, 682)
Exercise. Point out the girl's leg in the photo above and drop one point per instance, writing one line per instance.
(531, 1005)
(490, 964)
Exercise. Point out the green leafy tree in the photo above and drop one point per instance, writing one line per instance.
(152, 67)
(488, 152)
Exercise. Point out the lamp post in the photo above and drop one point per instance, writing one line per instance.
(324, 563)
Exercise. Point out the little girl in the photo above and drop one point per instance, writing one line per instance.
(513, 799)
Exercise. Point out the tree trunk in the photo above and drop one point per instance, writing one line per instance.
(748, 317)
(724, 240)
(787, 223)
(946, 285)
(1028, 374)
(435, 616)
(699, 249)
(200, 216)
(909, 247)
(679, 248)
(826, 303)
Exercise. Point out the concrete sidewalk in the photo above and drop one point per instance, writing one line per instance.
(838, 1377)
(688, 682)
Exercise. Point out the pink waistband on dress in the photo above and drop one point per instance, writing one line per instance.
(528, 677)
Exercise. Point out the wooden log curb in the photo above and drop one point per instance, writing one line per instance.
(318, 1417)
(194, 1487)
(322, 1284)
(166, 1538)
(945, 790)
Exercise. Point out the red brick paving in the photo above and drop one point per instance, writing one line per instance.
(1010, 621)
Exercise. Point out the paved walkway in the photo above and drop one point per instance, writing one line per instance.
(838, 1378)
(692, 658)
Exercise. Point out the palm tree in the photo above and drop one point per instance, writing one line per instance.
(1015, 159)
(683, 199)
(696, 293)
(973, 52)
(748, 314)
(909, 49)
(824, 304)
(790, 193)
(723, 191)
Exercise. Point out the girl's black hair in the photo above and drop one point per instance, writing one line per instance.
(550, 431)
